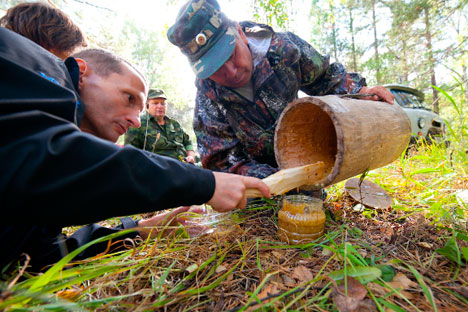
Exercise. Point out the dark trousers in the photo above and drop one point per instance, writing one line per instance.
(46, 245)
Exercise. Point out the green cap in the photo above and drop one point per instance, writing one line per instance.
(156, 93)
(205, 35)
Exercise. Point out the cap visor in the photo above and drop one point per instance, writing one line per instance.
(216, 56)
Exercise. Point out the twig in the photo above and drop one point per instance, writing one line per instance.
(21, 272)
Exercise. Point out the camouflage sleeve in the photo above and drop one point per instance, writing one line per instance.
(134, 138)
(186, 140)
(319, 77)
(219, 148)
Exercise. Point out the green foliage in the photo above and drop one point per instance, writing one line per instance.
(451, 251)
(426, 290)
(460, 131)
(40, 289)
(388, 272)
(362, 274)
(448, 164)
(272, 12)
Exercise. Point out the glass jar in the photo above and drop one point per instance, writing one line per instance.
(301, 219)
(211, 222)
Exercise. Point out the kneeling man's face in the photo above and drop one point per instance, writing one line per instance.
(113, 103)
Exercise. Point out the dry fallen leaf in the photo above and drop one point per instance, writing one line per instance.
(277, 254)
(191, 268)
(350, 300)
(387, 231)
(401, 281)
(377, 288)
(302, 273)
(268, 290)
(327, 252)
(367, 305)
(381, 290)
(70, 294)
(288, 281)
(425, 245)
(220, 268)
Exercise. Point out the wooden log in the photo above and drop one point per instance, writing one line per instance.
(349, 136)
(288, 179)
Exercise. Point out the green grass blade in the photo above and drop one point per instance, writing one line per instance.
(362, 274)
(255, 293)
(390, 305)
(449, 98)
(53, 272)
(162, 279)
(427, 291)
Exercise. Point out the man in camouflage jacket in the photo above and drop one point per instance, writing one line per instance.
(243, 87)
(160, 134)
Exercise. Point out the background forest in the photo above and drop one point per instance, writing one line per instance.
(416, 43)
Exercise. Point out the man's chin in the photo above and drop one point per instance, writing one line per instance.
(239, 84)
(243, 82)
(111, 137)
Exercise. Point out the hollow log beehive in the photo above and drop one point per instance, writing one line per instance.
(349, 135)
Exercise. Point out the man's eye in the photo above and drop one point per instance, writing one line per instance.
(130, 97)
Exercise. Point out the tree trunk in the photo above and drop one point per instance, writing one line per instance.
(465, 79)
(353, 46)
(335, 48)
(435, 93)
(376, 46)
(405, 62)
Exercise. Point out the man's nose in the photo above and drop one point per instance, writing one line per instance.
(134, 121)
(230, 69)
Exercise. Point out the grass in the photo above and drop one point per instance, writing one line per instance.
(410, 257)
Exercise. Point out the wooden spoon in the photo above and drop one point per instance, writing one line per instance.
(291, 178)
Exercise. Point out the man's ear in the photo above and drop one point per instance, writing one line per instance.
(84, 70)
(241, 33)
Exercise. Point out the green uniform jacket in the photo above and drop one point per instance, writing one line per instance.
(168, 140)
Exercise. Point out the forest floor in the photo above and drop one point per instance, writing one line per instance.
(411, 256)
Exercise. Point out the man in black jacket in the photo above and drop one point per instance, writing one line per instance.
(53, 175)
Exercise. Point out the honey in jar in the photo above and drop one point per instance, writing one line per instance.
(301, 219)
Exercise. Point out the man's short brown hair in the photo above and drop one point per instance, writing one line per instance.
(105, 62)
(47, 26)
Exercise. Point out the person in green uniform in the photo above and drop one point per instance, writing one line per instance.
(160, 134)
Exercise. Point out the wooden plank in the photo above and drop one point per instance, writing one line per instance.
(291, 178)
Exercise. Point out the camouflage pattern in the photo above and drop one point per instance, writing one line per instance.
(155, 93)
(168, 140)
(204, 34)
(235, 134)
